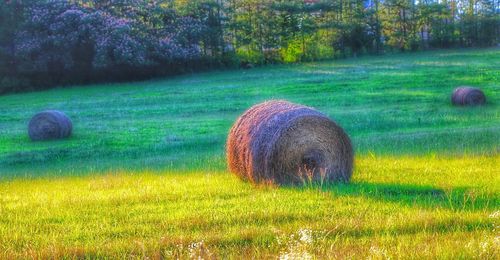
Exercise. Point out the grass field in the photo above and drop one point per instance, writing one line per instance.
(144, 173)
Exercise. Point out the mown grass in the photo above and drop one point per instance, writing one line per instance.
(391, 105)
(144, 173)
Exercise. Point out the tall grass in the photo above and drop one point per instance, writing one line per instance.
(396, 207)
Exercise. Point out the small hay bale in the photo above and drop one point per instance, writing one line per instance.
(283, 143)
(468, 96)
(49, 125)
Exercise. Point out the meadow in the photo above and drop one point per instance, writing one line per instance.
(144, 173)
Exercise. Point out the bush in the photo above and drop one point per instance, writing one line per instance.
(59, 42)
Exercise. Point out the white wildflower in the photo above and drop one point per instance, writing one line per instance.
(296, 254)
(305, 236)
(198, 250)
(378, 253)
(298, 245)
(495, 214)
(484, 246)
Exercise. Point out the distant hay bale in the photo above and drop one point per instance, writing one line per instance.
(48, 125)
(468, 96)
(285, 143)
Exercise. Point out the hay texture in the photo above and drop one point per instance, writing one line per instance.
(49, 125)
(468, 96)
(283, 143)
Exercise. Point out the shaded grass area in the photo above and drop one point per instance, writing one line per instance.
(397, 207)
(391, 105)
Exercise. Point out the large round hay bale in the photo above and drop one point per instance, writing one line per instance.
(468, 96)
(48, 125)
(283, 143)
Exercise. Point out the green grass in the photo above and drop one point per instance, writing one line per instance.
(144, 173)
(389, 105)
(395, 207)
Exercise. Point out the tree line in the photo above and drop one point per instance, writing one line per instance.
(47, 43)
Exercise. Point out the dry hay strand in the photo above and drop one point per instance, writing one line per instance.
(468, 96)
(49, 125)
(279, 142)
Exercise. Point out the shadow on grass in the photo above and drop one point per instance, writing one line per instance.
(459, 198)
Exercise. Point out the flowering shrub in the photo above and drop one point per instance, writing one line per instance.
(60, 39)
(117, 43)
(180, 40)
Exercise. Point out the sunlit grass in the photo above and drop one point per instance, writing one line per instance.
(144, 173)
(409, 207)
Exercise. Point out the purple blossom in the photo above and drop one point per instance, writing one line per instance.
(62, 36)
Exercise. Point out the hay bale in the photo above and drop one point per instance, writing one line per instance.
(285, 143)
(48, 125)
(468, 96)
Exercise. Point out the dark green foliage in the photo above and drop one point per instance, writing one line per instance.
(47, 43)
